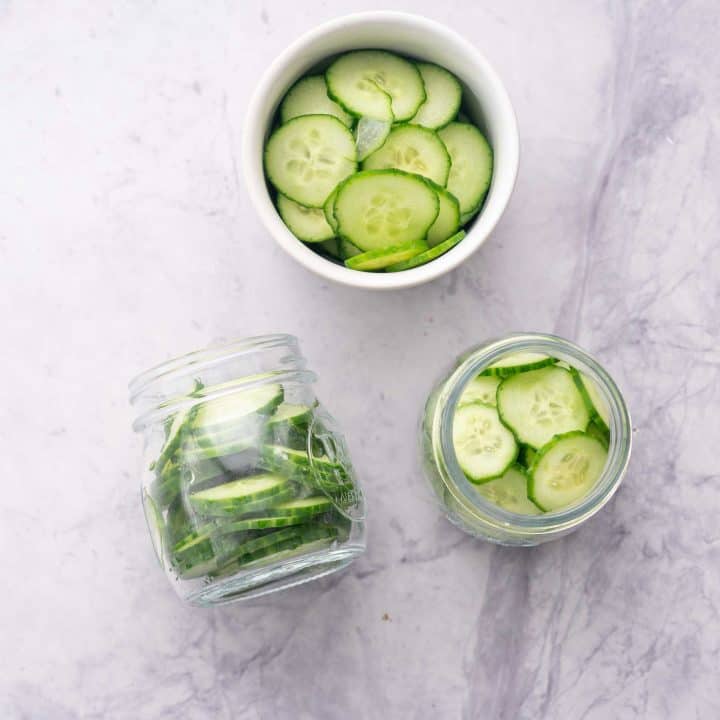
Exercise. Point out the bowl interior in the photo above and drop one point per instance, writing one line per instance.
(484, 101)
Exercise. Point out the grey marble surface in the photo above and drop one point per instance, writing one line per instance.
(126, 237)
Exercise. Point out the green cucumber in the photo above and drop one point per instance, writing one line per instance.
(444, 95)
(539, 404)
(518, 362)
(387, 257)
(484, 447)
(231, 497)
(307, 157)
(377, 209)
(472, 164)
(329, 211)
(594, 400)
(348, 250)
(510, 492)
(427, 255)
(448, 220)
(332, 248)
(155, 523)
(302, 508)
(480, 389)
(308, 96)
(306, 224)
(261, 523)
(565, 470)
(376, 84)
(413, 149)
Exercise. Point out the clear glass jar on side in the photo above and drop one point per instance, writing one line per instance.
(460, 499)
(247, 484)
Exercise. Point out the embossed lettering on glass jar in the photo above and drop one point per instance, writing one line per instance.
(247, 484)
(467, 503)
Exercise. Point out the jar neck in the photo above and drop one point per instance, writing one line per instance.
(218, 370)
(474, 362)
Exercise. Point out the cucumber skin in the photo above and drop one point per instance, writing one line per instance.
(539, 456)
(432, 253)
(504, 372)
(595, 416)
(382, 259)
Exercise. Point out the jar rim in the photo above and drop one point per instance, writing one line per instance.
(462, 489)
(205, 357)
(162, 390)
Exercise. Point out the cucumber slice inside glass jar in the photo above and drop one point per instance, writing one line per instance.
(484, 447)
(539, 404)
(565, 470)
(510, 492)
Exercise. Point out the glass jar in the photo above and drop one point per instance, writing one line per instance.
(247, 485)
(461, 502)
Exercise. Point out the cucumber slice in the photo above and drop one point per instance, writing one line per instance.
(332, 248)
(444, 95)
(308, 96)
(379, 259)
(518, 362)
(448, 220)
(232, 497)
(298, 415)
(378, 209)
(565, 470)
(376, 84)
(173, 437)
(429, 254)
(323, 474)
(307, 157)
(306, 224)
(484, 447)
(472, 164)
(370, 134)
(480, 389)
(348, 250)
(510, 492)
(218, 413)
(261, 523)
(329, 211)
(414, 149)
(539, 404)
(594, 401)
(259, 548)
(304, 508)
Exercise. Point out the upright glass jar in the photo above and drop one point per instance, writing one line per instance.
(247, 485)
(460, 499)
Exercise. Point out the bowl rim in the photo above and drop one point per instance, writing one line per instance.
(498, 197)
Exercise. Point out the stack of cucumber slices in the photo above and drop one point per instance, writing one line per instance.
(531, 433)
(242, 481)
(371, 165)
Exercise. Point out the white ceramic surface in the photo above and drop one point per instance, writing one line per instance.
(485, 97)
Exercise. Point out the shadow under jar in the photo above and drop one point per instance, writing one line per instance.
(493, 508)
(247, 485)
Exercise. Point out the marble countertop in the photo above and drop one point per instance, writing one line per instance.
(126, 237)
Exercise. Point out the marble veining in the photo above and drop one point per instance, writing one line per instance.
(126, 237)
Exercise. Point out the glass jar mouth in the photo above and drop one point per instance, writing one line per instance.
(236, 365)
(463, 490)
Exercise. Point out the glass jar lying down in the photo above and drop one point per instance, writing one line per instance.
(247, 485)
(526, 438)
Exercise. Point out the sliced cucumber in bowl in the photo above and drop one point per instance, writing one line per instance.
(377, 209)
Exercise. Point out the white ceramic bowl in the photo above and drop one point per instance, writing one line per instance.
(485, 98)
